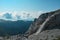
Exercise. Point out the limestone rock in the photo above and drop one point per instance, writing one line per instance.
(42, 18)
(46, 27)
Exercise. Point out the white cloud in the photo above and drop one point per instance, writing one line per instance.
(22, 15)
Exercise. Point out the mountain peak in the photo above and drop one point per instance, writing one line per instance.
(46, 21)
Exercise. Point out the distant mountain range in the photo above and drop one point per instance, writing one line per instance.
(13, 27)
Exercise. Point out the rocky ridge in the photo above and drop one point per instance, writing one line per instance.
(47, 23)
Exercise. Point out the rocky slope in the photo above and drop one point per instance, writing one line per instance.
(46, 24)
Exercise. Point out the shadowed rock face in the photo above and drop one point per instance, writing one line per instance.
(47, 27)
(52, 23)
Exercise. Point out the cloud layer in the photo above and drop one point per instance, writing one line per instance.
(23, 15)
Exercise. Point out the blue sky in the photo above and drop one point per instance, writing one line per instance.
(29, 5)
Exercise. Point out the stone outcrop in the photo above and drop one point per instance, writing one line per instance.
(42, 18)
(46, 22)
(46, 35)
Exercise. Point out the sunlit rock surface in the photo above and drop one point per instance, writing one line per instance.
(46, 22)
(46, 35)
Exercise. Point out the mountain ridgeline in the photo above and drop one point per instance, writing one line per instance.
(46, 22)
(13, 27)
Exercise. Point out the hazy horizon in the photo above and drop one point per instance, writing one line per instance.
(26, 9)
